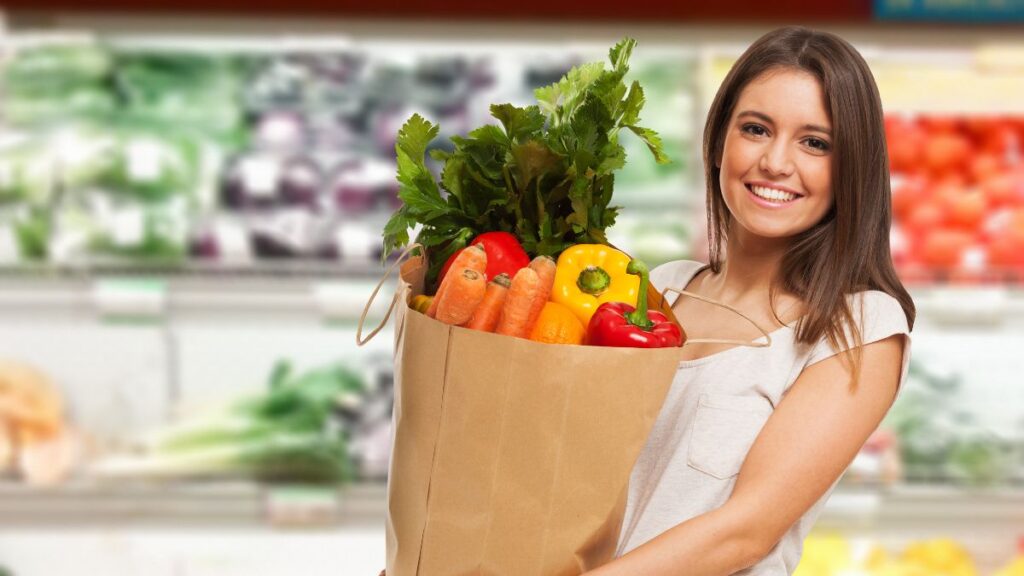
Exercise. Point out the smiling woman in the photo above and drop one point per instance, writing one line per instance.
(750, 442)
(775, 167)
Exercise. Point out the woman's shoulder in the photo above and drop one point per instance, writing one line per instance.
(876, 314)
(872, 308)
(670, 274)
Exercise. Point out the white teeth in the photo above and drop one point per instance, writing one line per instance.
(772, 194)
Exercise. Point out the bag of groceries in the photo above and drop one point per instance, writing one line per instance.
(531, 356)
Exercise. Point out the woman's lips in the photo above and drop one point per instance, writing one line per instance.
(768, 203)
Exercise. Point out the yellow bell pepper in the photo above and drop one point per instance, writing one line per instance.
(588, 275)
(421, 303)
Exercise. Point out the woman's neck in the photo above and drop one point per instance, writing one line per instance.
(748, 270)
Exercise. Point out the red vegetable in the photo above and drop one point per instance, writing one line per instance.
(619, 324)
(504, 254)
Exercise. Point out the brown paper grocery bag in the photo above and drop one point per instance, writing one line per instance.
(511, 457)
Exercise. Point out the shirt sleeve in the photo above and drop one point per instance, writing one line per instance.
(879, 316)
(661, 275)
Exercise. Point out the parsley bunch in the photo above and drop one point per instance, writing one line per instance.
(545, 174)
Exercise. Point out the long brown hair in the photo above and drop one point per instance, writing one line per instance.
(848, 250)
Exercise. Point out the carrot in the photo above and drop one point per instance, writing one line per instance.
(489, 311)
(474, 258)
(462, 296)
(515, 313)
(544, 266)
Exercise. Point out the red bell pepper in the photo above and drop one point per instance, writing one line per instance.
(504, 254)
(619, 324)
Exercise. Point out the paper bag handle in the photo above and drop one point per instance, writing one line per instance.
(362, 317)
(720, 340)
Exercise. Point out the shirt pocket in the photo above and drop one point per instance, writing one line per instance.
(724, 428)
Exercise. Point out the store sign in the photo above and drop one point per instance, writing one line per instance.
(980, 11)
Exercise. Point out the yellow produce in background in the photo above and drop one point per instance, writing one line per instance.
(1014, 568)
(824, 556)
(832, 555)
(941, 556)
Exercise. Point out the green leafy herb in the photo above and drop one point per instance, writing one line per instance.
(544, 173)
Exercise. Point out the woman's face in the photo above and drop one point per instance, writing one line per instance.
(776, 165)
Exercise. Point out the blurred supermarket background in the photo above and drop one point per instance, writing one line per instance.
(191, 206)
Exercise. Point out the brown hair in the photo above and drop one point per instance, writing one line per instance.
(848, 250)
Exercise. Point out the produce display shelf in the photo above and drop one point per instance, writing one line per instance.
(302, 269)
(167, 294)
(213, 503)
(164, 293)
(223, 501)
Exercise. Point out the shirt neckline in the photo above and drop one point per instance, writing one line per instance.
(716, 355)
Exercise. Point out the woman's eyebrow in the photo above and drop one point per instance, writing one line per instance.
(766, 118)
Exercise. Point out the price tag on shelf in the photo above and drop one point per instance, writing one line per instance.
(301, 506)
(130, 299)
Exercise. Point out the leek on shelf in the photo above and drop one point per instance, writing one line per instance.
(288, 434)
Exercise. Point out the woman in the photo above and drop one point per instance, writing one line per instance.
(751, 441)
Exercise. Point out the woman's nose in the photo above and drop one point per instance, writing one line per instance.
(776, 160)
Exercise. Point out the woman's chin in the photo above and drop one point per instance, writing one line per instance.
(769, 230)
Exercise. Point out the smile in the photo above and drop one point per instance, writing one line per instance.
(771, 196)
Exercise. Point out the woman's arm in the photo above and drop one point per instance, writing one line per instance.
(807, 443)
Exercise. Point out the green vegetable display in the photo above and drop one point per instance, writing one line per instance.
(44, 84)
(286, 434)
(546, 174)
(939, 440)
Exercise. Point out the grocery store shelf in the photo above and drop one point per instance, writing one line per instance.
(217, 270)
(970, 305)
(923, 504)
(340, 296)
(218, 503)
(246, 502)
(987, 521)
(160, 296)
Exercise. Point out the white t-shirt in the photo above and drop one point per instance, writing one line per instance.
(714, 411)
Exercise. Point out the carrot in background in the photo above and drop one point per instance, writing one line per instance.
(544, 266)
(489, 311)
(515, 314)
(474, 258)
(463, 295)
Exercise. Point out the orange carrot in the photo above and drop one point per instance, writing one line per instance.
(462, 296)
(489, 311)
(474, 258)
(544, 266)
(515, 314)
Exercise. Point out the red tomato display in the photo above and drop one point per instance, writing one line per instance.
(945, 247)
(958, 193)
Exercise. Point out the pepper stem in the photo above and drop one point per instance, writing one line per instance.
(638, 317)
(593, 280)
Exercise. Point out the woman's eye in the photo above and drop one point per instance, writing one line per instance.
(754, 129)
(818, 144)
